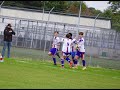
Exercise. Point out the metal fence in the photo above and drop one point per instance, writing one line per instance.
(33, 39)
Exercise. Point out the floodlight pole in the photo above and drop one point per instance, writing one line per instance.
(95, 22)
(42, 20)
(43, 10)
(78, 25)
(49, 14)
(79, 17)
(93, 35)
(1, 6)
(47, 25)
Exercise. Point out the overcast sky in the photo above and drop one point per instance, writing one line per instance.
(100, 5)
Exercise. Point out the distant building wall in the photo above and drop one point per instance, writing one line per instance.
(70, 19)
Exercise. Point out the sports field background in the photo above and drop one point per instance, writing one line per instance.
(35, 36)
(40, 55)
(31, 67)
(34, 69)
(30, 74)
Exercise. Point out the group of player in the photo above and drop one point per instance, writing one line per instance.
(73, 47)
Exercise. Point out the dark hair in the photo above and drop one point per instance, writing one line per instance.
(9, 24)
(68, 35)
(56, 32)
(81, 33)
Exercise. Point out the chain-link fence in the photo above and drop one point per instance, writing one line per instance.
(33, 40)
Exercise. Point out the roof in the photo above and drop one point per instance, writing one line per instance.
(58, 13)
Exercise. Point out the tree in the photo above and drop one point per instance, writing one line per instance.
(59, 5)
(115, 5)
(115, 18)
(107, 13)
(74, 6)
(116, 21)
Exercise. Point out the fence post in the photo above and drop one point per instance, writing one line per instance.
(46, 27)
(93, 35)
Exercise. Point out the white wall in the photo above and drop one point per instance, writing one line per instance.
(2, 26)
(55, 18)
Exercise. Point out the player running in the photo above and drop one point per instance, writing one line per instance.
(55, 46)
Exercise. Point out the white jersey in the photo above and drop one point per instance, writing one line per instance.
(66, 45)
(80, 44)
(56, 42)
(73, 46)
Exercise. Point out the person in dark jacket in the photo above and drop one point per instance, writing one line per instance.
(8, 32)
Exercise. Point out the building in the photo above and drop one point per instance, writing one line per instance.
(54, 17)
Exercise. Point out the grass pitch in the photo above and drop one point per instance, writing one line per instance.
(19, 73)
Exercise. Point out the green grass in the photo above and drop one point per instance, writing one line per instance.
(32, 74)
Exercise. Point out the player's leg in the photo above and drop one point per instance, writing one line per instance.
(83, 60)
(69, 61)
(63, 57)
(53, 55)
(54, 59)
(50, 52)
(57, 53)
(76, 61)
(77, 56)
(73, 57)
(62, 61)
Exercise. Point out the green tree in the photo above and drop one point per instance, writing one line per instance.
(74, 6)
(115, 5)
(59, 5)
(116, 21)
(115, 18)
(107, 13)
(93, 11)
